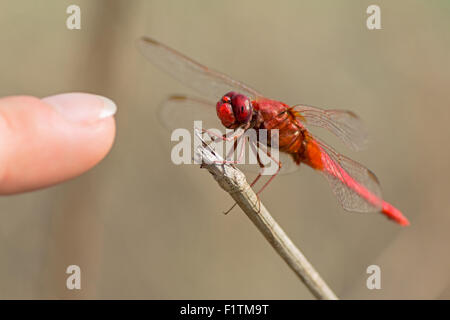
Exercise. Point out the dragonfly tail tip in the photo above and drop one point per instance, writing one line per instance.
(393, 213)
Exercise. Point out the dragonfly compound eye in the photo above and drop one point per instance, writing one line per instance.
(242, 108)
(225, 114)
(227, 97)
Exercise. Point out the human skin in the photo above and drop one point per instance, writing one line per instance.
(47, 141)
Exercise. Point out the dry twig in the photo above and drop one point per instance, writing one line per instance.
(233, 181)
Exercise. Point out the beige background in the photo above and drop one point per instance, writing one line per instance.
(140, 227)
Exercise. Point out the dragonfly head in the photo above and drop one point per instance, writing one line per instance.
(234, 110)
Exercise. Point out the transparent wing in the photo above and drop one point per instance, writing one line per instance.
(180, 111)
(209, 83)
(356, 187)
(288, 164)
(346, 125)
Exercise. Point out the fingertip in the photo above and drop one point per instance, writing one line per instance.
(54, 139)
(81, 107)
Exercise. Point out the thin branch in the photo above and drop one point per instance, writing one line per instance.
(233, 181)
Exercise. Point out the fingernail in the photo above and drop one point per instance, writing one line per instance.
(82, 107)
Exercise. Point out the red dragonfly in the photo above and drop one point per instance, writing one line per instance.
(240, 107)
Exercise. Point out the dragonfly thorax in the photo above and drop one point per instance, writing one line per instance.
(234, 110)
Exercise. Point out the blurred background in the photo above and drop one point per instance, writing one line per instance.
(141, 227)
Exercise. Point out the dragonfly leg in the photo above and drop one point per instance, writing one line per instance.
(241, 154)
(229, 210)
(275, 174)
(236, 139)
(233, 136)
(261, 165)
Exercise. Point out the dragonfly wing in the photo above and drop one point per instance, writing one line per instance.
(209, 83)
(356, 187)
(288, 165)
(346, 125)
(180, 111)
